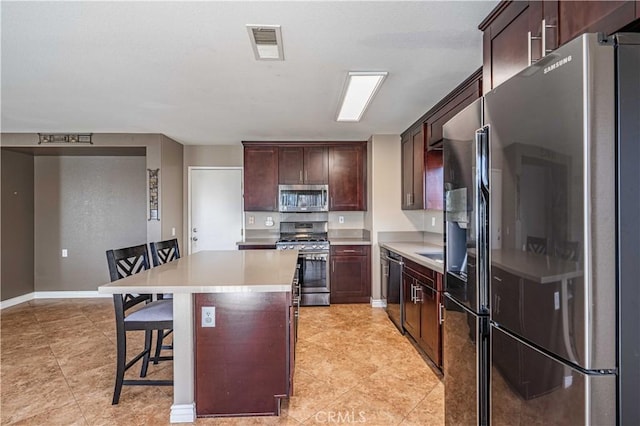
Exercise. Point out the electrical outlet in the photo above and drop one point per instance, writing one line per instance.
(208, 316)
(65, 253)
(433, 221)
(340, 219)
(173, 232)
(252, 220)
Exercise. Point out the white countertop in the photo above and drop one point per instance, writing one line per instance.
(215, 272)
(410, 250)
(349, 241)
(535, 267)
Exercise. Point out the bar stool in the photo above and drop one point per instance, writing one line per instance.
(149, 315)
(161, 253)
(537, 245)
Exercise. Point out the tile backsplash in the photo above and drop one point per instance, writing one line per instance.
(271, 220)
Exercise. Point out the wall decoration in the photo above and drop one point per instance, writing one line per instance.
(154, 181)
(68, 138)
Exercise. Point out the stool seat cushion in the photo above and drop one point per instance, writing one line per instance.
(160, 310)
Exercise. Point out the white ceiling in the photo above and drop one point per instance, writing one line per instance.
(187, 70)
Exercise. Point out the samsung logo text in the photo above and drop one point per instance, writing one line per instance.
(557, 64)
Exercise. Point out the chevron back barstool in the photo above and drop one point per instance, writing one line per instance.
(163, 252)
(149, 315)
(537, 245)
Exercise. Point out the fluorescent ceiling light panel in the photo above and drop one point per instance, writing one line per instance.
(359, 90)
(266, 42)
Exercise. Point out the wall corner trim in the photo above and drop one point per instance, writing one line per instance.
(183, 413)
(50, 295)
(378, 303)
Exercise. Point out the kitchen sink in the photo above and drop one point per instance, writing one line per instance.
(438, 257)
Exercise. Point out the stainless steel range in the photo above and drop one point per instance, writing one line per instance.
(310, 239)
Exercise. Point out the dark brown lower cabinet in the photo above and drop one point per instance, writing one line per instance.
(411, 309)
(422, 308)
(243, 365)
(256, 247)
(350, 278)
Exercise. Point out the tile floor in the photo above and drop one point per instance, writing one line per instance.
(58, 359)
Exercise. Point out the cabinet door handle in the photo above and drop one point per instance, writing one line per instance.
(497, 279)
(545, 27)
(333, 266)
(440, 313)
(348, 251)
(530, 39)
(419, 289)
(306, 175)
(301, 176)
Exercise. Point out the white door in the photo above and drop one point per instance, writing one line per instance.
(215, 220)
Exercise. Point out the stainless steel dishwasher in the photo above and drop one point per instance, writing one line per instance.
(391, 280)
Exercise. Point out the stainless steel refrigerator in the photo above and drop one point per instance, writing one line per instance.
(542, 282)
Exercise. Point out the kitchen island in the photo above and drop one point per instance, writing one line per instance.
(204, 276)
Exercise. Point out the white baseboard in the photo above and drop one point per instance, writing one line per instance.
(16, 300)
(50, 295)
(68, 294)
(183, 413)
(378, 303)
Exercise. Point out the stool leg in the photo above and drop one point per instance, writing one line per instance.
(158, 346)
(120, 366)
(147, 352)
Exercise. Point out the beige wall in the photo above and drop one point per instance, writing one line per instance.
(17, 243)
(171, 196)
(384, 213)
(86, 205)
(78, 235)
(213, 155)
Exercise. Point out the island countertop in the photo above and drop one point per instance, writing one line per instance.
(215, 272)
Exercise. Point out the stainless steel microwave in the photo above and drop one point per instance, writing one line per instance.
(303, 198)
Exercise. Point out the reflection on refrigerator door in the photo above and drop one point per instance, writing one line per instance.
(528, 387)
(463, 353)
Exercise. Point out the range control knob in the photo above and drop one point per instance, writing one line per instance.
(302, 247)
(291, 247)
(315, 246)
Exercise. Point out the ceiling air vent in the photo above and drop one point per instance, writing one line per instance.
(266, 41)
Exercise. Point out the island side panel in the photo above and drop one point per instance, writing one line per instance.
(242, 364)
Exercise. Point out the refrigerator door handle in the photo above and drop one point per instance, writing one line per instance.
(481, 211)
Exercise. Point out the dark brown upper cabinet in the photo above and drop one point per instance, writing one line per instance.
(460, 98)
(413, 169)
(518, 33)
(422, 162)
(348, 177)
(434, 181)
(261, 178)
(342, 165)
(304, 165)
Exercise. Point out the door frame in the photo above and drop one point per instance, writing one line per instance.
(192, 168)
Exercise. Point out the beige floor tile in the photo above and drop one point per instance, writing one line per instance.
(69, 415)
(429, 411)
(58, 367)
(26, 399)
